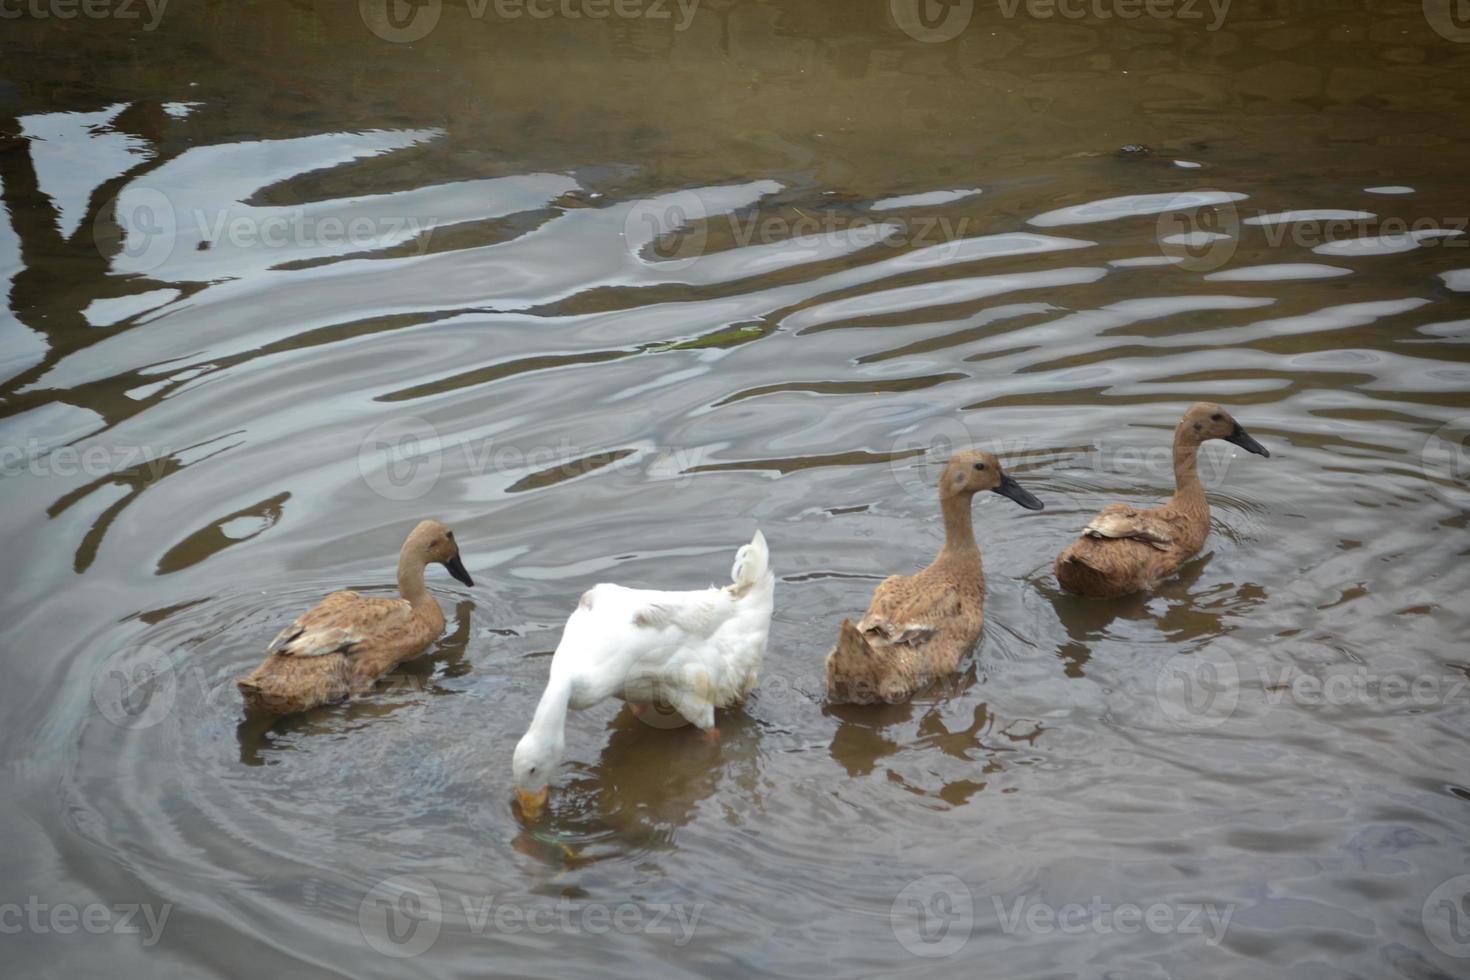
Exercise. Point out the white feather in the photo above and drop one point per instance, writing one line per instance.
(696, 651)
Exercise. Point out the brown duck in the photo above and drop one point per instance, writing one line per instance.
(347, 641)
(919, 626)
(1126, 550)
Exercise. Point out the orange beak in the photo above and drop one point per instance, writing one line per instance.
(532, 801)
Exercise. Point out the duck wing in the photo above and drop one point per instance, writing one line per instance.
(341, 623)
(696, 614)
(906, 612)
(1122, 521)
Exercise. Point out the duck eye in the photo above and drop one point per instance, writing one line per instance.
(449, 535)
(979, 466)
(1216, 417)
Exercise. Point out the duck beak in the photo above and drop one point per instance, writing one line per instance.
(1010, 488)
(532, 801)
(456, 568)
(1242, 439)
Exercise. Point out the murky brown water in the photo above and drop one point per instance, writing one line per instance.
(634, 285)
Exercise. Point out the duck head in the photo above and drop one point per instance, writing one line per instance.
(1206, 420)
(537, 755)
(970, 471)
(433, 542)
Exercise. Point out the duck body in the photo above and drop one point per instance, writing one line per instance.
(342, 645)
(688, 652)
(918, 627)
(915, 632)
(691, 651)
(1124, 549)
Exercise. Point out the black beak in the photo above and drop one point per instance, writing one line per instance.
(1010, 488)
(456, 568)
(1244, 441)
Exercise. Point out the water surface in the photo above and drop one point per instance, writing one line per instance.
(626, 290)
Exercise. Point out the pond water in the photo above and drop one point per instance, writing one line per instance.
(606, 293)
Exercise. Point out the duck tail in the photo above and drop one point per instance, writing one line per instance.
(853, 668)
(252, 692)
(752, 566)
(851, 642)
(1081, 570)
(1077, 557)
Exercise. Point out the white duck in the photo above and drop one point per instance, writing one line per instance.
(690, 651)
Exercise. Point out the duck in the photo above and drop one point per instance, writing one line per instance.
(342, 645)
(1125, 550)
(675, 657)
(919, 626)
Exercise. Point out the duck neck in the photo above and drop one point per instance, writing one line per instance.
(411, 587)
(959, 533)
(551, 711)
(1188, 492)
